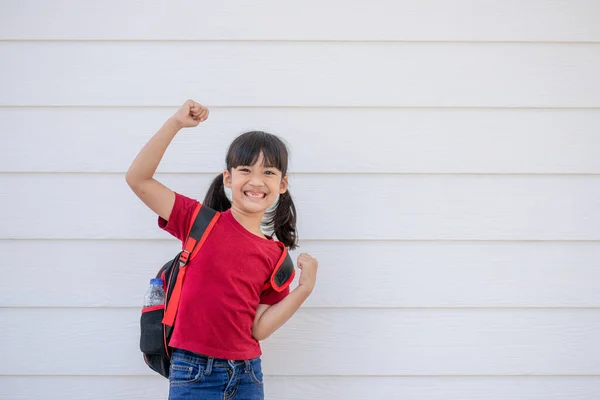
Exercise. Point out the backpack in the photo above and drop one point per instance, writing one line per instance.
(157, 322)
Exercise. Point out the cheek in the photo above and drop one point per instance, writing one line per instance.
(236, 191)
(235, 185)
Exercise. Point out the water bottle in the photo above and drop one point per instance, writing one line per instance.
(155, 295)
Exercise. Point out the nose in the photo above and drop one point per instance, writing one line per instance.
(256, 179)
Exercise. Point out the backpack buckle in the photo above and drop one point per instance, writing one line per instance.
(183, 258)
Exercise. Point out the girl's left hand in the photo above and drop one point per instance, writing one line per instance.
(308, 266)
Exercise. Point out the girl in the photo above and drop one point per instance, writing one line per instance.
(223, 311)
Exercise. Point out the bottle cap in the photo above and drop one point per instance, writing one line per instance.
(156, 281)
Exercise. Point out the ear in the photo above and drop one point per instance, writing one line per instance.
(283, 186)
(227, 179)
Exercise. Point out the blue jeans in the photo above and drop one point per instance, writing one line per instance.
(194, 376)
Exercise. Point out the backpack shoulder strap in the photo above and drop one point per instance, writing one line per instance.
(284, 272)
(203, 220)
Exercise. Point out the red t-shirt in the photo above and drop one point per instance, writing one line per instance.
(223, 286)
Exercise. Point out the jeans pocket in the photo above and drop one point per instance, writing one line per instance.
(185, 372)
(256, 371)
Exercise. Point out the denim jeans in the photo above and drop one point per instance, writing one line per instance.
(194, 376)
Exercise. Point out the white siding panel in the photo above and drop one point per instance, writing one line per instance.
(397, 207)
(314, 388)
(443, 165)
(326, 342)
(300, 74)
(361, 139)
(489, 20)
(111, 273)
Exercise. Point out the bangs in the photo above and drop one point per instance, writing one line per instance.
(246, 149)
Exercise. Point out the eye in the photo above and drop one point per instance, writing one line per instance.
(270, 172)
(244, 169)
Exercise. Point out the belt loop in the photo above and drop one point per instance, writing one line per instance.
(209, 365)
(247, 362)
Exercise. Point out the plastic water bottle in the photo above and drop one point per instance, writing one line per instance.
(155, 295)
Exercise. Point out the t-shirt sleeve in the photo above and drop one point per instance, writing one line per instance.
(271, 297)
(180, 218)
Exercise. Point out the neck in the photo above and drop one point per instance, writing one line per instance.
(250, 221)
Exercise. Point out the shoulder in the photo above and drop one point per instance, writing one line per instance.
(180, 217)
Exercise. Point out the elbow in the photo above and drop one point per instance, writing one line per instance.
(130, 179)
(256, 334)
(259, 334)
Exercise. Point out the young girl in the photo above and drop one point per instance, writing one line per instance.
(223, 311)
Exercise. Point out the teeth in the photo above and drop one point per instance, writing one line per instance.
(250, 194)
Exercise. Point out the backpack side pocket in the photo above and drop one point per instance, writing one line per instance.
(152, 337)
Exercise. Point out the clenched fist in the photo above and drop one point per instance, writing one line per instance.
(190, 114)
(308, 275)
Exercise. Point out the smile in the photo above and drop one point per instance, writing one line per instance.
(255, 195)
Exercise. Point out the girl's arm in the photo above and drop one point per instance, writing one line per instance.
(154, 194)
(270, 318)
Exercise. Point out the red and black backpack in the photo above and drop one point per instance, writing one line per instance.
(157, 322)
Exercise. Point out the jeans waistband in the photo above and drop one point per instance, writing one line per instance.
(202, 358)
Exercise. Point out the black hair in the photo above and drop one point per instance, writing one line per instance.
(245, 150)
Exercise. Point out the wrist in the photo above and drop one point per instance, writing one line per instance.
(305, 289)
(174, 123)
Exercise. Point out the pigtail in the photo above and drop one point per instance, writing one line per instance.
(215, 197)
(283, 221)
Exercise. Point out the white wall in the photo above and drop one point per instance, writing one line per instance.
(444, 166)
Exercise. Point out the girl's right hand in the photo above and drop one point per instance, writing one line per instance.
(190, 114)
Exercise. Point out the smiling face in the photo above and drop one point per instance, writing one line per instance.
(254, 188)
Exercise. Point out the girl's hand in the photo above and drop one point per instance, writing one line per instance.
(308, 265)
(190, 114)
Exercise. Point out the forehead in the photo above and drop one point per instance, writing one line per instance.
(260, 161)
